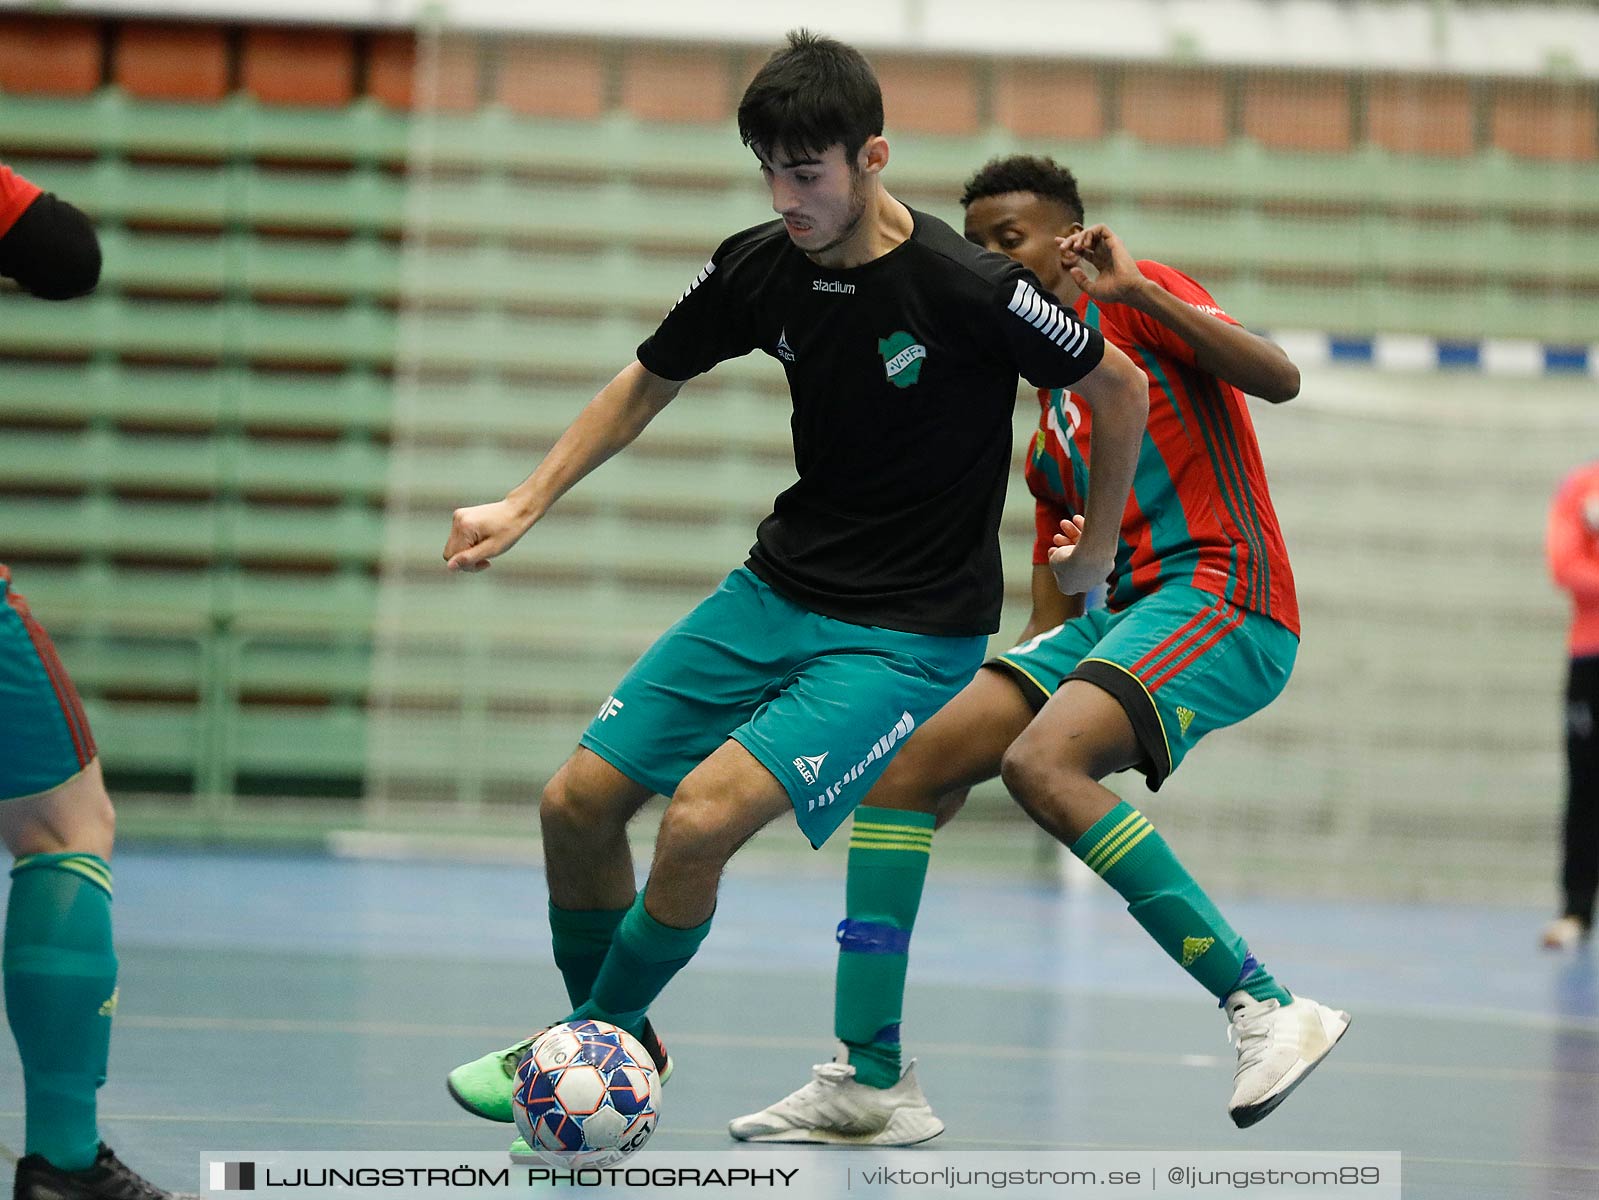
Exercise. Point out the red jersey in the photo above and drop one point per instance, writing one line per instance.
(1199, 513)
(16, 193)
(1573, 546)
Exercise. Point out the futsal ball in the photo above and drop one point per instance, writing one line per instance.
(586, 1095)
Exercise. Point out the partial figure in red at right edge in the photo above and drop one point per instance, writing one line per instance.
(1573, 546)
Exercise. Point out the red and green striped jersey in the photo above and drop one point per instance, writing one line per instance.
(16, 193)
(1199, 513)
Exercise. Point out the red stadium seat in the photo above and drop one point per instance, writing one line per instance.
(1545, 121)
(1299, 112)
(159, 61)
(1421, 116)
(551, 79)
(1049, 101)
(1175, 107)
(55, 55)
(392, 64)
(926, 95)
(311, 67)
(677, 84)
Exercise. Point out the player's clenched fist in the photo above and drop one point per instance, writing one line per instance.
(1077, 567)
(482, 532)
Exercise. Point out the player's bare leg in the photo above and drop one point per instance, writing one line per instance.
(75, 817)
(719, 806)
(583, 816)
(1054, 766)
(961, 745)
(1053, 770)
(61, 981)
(864, 1097)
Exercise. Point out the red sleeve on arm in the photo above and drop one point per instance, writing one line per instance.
(1572, 548)
(1047, 516)
(16, 193)
(1147, 331)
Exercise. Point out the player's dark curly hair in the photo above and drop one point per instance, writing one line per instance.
(1026, 173)
(812, 94)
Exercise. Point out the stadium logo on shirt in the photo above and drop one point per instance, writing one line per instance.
(902, 358)
(784, 350)
(810, 765)
(832, 285)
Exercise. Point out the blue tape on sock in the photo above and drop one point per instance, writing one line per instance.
(871, 937)
(1251, 965)
(888, 1035)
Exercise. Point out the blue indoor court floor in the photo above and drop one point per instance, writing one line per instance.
(283, 1002)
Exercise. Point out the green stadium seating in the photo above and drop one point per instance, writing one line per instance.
(198, 458)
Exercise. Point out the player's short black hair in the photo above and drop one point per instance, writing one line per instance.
(51, 250)
(812, 94)
(1026, 173)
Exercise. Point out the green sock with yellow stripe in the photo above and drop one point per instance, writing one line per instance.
(888, 856)
(60, 986)
(1127, 853)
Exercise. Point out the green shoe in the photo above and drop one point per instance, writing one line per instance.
(657, 1051)
(483, 1086)
(522, 1154)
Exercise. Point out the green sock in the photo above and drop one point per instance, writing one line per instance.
(60, 985)
(580, 938)
(644, 956)
(888, 856)
(1128, 854)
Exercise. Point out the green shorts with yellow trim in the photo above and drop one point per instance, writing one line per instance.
(44, 736)
(1181, 662)
(822, 704)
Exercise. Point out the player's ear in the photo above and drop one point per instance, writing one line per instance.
(873, 155)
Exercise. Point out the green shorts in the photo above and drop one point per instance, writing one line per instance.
(1182, 662)
(44, 736)
(822, 704)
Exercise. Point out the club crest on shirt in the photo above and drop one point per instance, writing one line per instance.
(902, 358)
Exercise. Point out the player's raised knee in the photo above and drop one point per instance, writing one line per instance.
(1026, 767)
(575, 798)
(693, 827)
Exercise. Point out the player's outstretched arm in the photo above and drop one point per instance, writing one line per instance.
(610, 421)
(1249, 362)
(1118, 393)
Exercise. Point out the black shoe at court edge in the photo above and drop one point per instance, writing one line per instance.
(107, 1178)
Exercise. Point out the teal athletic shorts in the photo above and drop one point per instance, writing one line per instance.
(44, 736)
(822, 704)
(1181, 661)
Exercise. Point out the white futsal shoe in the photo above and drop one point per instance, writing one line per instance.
(1563, 933)
(833, 1108)
(1278, 1046)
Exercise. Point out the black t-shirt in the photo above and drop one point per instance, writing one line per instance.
(903, 376)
